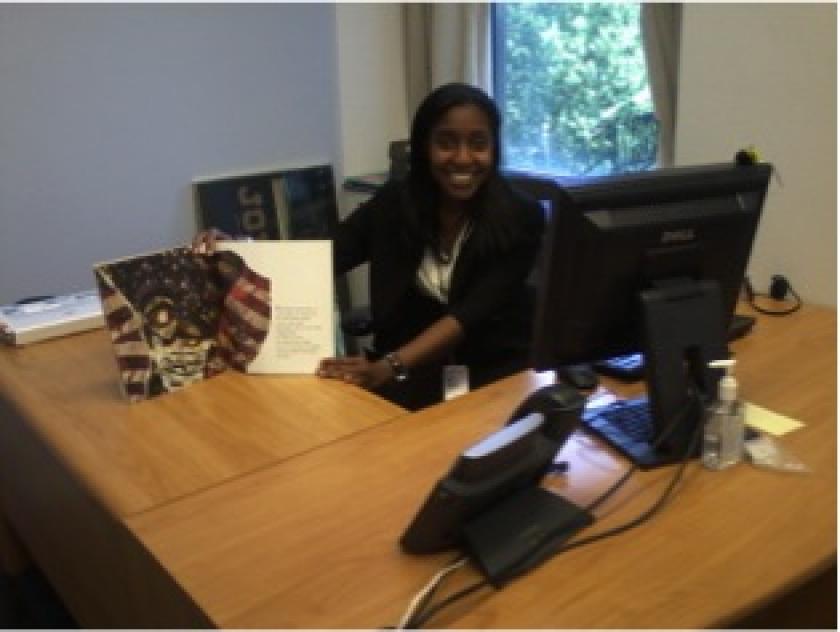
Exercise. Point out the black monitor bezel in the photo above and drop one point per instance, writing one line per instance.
(573, 203)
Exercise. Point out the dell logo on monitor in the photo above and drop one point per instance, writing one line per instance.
(681, 235)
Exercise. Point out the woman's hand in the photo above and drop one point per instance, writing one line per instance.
(205, 241)
(436, 340)
(356, 370)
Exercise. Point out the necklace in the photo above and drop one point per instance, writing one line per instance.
(434, 274)
(445, 262)
(452, 233)
(444, 268)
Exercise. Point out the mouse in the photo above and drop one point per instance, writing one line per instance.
(561, 404)
(581, 376)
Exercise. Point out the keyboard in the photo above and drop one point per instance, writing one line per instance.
(631, 367)
(628, 427)
(630, 417)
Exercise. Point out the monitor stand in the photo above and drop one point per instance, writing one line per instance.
(684, 330)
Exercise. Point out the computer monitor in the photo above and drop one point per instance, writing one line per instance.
(649, 262)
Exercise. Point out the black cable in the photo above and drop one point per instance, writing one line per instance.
(650, 512)
(779, 288)
(421, 617)
(693, 401)
(654, 444)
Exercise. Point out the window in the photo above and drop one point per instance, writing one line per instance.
(571, 81)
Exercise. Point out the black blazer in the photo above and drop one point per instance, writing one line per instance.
(488, 295)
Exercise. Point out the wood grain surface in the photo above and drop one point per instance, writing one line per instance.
(136, 456)
(312, 541)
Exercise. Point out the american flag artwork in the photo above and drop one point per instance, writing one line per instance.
(176, 317)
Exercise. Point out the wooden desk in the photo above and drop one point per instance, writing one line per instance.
(312, 541)
(76, 459)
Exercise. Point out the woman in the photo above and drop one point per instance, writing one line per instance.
(449, 251)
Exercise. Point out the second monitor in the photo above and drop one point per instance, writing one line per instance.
(649, 262)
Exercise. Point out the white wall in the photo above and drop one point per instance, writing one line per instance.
(766, 74)
(107, 111)
(371, 96)
(371, 83)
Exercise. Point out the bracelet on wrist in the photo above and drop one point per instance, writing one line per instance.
(397, 367)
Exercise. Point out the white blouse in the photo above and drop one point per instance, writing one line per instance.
(434, 276)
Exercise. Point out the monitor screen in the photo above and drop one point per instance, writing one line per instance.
(649, 262)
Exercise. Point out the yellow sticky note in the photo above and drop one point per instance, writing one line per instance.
(767, 421)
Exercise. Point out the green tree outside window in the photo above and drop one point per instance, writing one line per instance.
(572, 84)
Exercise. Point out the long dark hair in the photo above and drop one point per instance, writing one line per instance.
(422, 193)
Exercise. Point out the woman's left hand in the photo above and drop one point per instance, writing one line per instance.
(356, 370)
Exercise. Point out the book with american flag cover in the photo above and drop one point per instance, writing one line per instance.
(177, 317)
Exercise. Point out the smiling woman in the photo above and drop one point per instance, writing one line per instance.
(449, 250)
(461, 158)
(460, 153)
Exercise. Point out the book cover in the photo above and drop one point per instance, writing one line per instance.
(176, 317)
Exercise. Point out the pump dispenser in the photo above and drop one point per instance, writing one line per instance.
(723, 433)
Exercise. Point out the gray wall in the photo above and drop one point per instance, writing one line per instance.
(107, 112)
(766, 75)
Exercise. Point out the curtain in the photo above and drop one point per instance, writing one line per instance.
(445, 42)
(661, 26)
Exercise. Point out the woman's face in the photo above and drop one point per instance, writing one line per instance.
(461, 152)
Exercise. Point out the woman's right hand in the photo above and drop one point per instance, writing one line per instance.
(356, 370)
(204, 243)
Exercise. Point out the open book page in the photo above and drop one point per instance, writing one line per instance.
(176, 317)
(301, 319)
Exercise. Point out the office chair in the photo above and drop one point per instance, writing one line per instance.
(357, 322)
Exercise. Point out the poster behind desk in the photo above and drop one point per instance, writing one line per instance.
(176, 317)
(277, 204)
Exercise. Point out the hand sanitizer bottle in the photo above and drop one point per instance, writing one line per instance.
(723, 433)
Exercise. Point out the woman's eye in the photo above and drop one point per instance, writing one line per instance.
(445, 142)
(479, 143)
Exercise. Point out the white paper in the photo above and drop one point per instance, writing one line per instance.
(302, 324)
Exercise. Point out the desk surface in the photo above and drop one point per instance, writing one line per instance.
(312, 541)
(137, 456)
